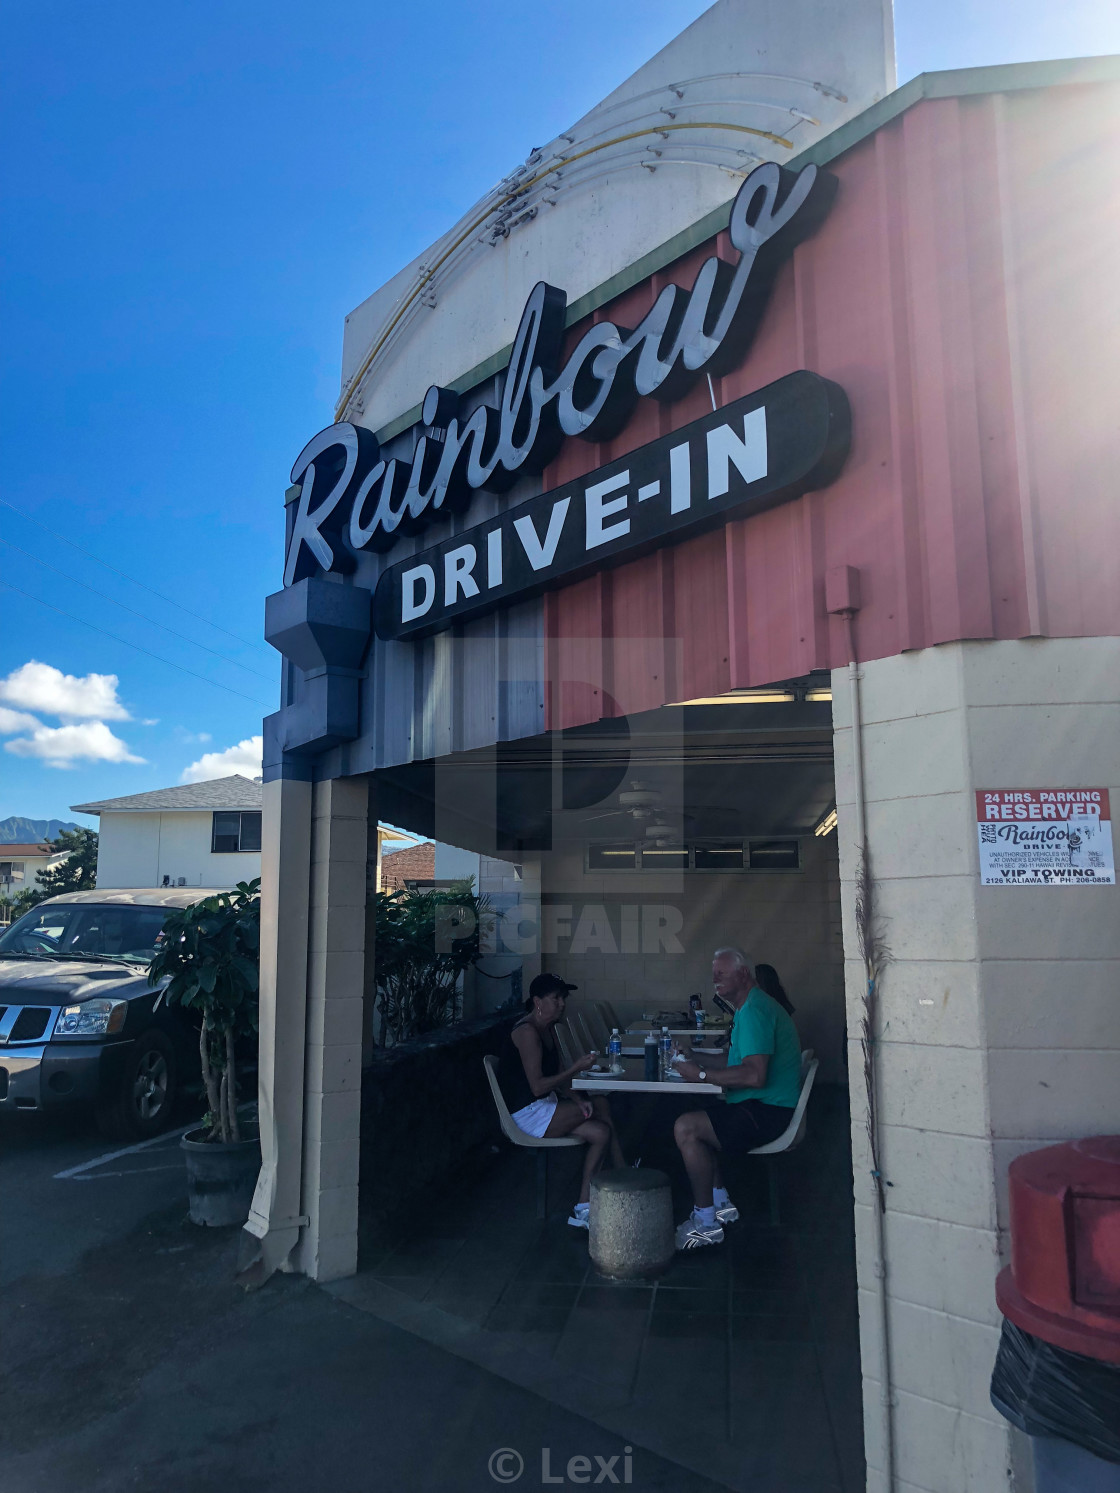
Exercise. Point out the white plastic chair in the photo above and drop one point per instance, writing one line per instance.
(792, 1135)
(609, 1015)
(513, 1133)
(597, 1028)
(566, 1042)
(581, 1031)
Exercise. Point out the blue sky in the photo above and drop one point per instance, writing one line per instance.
(193, 196)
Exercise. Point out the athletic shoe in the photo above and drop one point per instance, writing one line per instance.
(692, 1234)
(581, 1216)
(728, 1213)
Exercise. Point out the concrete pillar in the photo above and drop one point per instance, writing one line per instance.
(336, 944)
(999, 1025)
(275, 1215)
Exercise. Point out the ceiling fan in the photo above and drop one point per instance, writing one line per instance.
(637, 800)
(645, 807)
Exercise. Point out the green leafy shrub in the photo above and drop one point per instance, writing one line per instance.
(210, 956)
(424, 942)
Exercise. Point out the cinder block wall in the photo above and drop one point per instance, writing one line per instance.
(1000, 1024)
(788, 919)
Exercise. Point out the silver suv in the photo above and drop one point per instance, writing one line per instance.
(78, 1019)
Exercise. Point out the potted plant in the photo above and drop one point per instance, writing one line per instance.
(209, 956)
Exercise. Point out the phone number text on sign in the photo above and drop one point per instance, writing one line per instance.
(1045, 837)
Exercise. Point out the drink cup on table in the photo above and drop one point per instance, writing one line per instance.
(615, 1049)
(667, 1046)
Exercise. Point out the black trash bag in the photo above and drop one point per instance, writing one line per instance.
(1046, 1391)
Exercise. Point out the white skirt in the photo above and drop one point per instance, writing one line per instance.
(534, 1118)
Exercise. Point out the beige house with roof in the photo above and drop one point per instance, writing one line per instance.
(20, 865)
(197, 834)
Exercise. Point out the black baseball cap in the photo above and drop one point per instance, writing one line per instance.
(549, 985)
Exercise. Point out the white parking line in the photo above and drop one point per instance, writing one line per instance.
(141, 1145)
(136, 1171)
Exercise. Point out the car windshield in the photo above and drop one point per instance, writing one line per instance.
(84, 929)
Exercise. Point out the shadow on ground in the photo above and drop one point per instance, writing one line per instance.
(741, 1363)
(143, 1366)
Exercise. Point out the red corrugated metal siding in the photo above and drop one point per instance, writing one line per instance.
(962, 291)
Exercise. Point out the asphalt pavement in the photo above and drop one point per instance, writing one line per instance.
(45, 1226)
(130, 1360)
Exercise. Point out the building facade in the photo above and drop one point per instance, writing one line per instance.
(794, 615)
(21, 865)
(199, 834)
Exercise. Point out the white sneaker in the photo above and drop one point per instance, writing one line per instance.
(728, 1213)
(581, 1216)
(692, 1234)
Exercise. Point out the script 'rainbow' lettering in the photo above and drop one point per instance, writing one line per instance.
(352, 499)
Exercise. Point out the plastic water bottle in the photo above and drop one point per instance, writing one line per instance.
(666, 1052)
(614, 1048)
(651, 1056)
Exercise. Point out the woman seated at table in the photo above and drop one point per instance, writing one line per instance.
(538, 1093)
(766, 978)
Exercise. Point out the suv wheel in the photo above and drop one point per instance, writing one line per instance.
(145, 1098)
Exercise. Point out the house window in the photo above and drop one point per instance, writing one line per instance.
(234, 832)
(11, 870)
(660, 858)
(724, 855)
(698, 855)
(612, 857)
(775, 855)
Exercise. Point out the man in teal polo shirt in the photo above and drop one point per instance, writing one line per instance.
(761, 1079)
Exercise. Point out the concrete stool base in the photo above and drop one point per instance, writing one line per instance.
(631, 1224)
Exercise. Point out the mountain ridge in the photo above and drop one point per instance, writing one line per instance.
(16, 830)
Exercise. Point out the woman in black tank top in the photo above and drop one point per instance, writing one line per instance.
(537, 1087)
(512, 1079)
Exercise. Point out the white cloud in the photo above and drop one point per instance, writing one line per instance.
(63, 746)
(244, 758)
(36, 686)
(15, 720)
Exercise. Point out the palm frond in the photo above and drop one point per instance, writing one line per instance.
(875, 953)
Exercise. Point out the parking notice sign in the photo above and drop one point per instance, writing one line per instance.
(1045, 837)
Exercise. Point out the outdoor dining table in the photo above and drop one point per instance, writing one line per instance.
(640, 1028)
(632, 1080)
(709, 1048)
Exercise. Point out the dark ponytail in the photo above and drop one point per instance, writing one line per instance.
(766, 978)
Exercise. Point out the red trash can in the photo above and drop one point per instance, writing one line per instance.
(1057, 1374)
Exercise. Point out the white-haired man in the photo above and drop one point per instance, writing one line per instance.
(761, 1079)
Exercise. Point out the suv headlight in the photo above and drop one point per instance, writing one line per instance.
(96, 1018)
